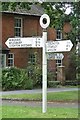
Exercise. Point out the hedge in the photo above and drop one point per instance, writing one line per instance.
(14, 79)
(53, 83)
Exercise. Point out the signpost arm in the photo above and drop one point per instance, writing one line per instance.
(44, 96)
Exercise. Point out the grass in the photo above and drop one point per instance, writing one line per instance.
(0, 111)
(31, 112)
(36, 112)
(53, 96)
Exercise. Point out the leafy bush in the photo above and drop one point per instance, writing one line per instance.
(14, 78)
(35, 74)
(53, 83)
(72, 82)
(51, 76)
(0, 78)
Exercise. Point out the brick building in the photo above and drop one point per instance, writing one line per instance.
(26, 24)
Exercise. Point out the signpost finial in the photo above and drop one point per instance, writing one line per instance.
(44, 21)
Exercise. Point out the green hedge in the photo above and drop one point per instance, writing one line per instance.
(72, 82)
(0, 79)
(53, 83)
(14, 78)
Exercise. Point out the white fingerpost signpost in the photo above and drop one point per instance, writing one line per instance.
(49, 48)
(44, 22)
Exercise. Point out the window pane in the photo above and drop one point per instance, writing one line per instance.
(59, 62)
(10, 60)
(17, 32)
(10, 56)
(32, 58)
(59, 34)
(17, 22)
(18, 27)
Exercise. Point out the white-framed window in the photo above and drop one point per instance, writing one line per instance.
(18, 27)
(3, 60)
(58, 62)
(10, 60)
(32, 58)
(58, 34)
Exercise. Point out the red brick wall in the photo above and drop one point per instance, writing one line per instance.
(7, 27)
(51, 34)
(67, 27)
(31, 26)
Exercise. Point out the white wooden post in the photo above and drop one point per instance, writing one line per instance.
(44, 22)
(44, 64)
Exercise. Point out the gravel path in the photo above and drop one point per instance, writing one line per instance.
(37, 104)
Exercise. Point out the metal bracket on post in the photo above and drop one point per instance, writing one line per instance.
(44, 22)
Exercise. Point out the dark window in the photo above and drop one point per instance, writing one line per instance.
(10, 60)
(59, 35)
(59, 62)
(32, 58)
(18, 27)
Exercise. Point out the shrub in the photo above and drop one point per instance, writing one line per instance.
(14, 78)
(35, 74)
(51, 76)
(0, 78)
(53, 83)
(72, 82)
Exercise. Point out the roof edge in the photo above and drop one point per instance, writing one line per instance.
(20, 13)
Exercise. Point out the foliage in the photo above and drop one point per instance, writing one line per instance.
(75, 63)
(72, 82)
(55, 14)
(35, 72)
(14, 78)
(51, 76)
(53, 84)
(0, 78)
(13, 5)
(56, 11)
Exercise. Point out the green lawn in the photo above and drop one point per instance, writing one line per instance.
(54, 96)
(36, 112)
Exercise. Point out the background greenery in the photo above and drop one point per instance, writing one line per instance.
(15, 79)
